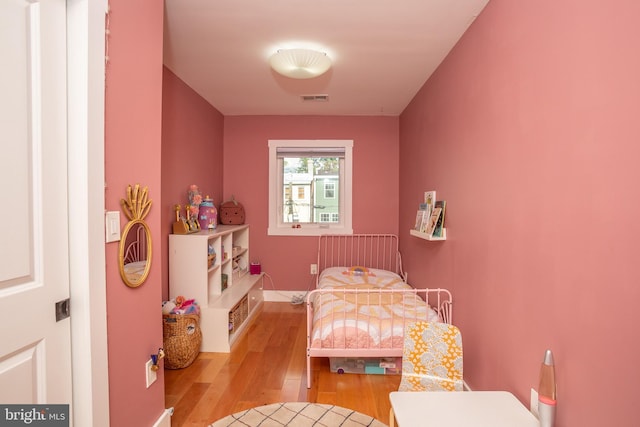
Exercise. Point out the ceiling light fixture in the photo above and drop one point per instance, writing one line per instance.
(300, 63)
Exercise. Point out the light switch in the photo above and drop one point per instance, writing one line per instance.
(112, 226)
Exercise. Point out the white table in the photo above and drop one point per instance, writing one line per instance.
(460, 409)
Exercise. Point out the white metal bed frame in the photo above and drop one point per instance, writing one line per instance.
(368, 250)
(372, 251)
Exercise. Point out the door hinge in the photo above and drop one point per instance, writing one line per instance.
(63, 309)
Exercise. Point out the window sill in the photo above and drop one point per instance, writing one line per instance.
(308, 230)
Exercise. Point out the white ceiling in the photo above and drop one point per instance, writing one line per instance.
(382, 51)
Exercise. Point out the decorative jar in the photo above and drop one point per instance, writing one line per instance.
(208, 214)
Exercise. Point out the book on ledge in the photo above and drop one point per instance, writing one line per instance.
(426, 214)
(442, 204)
(430, 199)
(418, 225)
(433, 220)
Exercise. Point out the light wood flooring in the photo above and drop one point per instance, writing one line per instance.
(268, 365)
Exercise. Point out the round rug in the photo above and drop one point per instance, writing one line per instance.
(298, 414)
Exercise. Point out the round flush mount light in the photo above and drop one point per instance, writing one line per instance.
(300, 63)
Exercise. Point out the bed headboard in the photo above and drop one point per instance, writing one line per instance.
(367, 250)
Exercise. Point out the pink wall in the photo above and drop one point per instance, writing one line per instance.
(246, 173)
(192, 133)
(132, 155)
(529, 130)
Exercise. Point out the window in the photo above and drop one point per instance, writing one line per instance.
(329, 190)
(329, 217)
(317, 173)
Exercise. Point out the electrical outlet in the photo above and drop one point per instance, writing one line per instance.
(152, 375)
(533, 406)
(314, 268)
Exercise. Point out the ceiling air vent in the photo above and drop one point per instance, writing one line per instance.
(314, 98)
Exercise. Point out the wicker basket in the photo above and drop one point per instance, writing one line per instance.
(182, 338)
(238, 314)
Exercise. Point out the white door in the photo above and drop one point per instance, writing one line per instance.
(35, 349)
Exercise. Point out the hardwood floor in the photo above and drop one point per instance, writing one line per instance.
(268, 365)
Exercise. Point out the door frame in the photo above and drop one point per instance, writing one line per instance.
(86, 90)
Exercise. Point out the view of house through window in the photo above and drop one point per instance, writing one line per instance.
(310, 187)
(314, 181)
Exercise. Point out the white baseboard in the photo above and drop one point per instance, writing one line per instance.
(280, 296)
(165, 418)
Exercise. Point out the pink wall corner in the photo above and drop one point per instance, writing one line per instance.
(246, 173)
(132, 155)
(192, 132)
(529, 131)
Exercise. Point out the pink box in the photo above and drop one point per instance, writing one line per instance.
(255, 268)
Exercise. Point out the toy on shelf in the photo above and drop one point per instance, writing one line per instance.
(185, 224)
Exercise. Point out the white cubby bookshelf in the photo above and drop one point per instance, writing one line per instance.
(224, 312)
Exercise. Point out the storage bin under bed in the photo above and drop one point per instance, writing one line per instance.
(366, 365)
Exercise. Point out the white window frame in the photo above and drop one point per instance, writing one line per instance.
(276, 225)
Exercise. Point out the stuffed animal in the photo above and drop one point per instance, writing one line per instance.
(180, 305)
(168, 306)
(179, 300)
(357, 270)
(187, 307)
